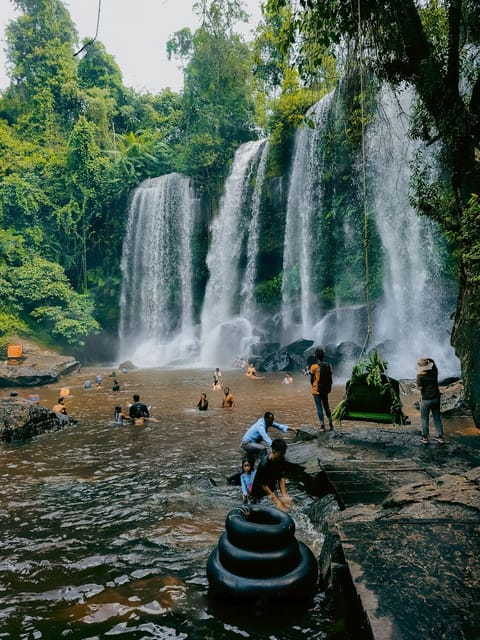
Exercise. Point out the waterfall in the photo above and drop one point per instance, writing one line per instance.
(223, 329)
(412, 312)
(156, 323)
(303, 206)
(247, 289)
(323, 263)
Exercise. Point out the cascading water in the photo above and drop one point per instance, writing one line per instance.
(415, 292)
(224, 330)
(247, 289)
(304, 202)
(156, 324)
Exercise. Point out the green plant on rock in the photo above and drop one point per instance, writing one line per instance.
(373, 369)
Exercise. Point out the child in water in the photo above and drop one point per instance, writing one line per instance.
(246, 480)
(120, 416)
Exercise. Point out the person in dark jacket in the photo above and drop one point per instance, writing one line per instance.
(270, 479)
(427, 382)
(138, 409)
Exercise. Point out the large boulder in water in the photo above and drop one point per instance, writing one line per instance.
(281, 361)
(342, 357)
(20, 419)
(298, 347)
(262, 349)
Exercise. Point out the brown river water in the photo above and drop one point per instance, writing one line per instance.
(106, 529)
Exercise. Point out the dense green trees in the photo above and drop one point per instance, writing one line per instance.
(218, 107)
(74, 141)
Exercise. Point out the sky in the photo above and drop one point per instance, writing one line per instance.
(135, 32)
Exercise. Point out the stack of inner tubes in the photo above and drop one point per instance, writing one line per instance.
(259, 559)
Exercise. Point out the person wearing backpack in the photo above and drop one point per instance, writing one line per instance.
(321, 375)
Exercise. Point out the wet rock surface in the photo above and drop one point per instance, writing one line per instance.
(409, 552)
(38, 366)
(20, 419)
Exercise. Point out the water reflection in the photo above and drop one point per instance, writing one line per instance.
(107, 529)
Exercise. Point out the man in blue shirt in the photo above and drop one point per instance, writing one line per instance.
(256, 438)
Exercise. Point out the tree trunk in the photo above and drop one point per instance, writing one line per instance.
(466, 341)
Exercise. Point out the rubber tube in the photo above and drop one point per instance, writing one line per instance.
(257, 564)
(296, 585)
(259, 527)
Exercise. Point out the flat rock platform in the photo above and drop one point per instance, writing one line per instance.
(404, 541)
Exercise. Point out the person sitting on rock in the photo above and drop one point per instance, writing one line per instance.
(60, 406)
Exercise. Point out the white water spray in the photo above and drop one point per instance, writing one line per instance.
(156, 323)
(412, 312)
(303, 206)
(223, 329)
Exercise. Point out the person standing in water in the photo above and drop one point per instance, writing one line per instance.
(246, 480)
(228, 401)
(427, 382)
(138, 409)
(202, 404)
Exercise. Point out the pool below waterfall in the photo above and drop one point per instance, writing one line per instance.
(106, 529)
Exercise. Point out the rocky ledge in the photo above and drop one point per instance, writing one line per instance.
(38, 366)
(401, 522)
(20, 419)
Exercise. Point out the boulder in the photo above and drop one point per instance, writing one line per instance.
(37, 366)
(298, 347)
(20, 419)
(452, 400)
(262, 349)
(342, 357)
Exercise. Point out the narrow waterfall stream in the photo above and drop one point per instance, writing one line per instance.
(157, 297)
(304, 203)
(224, 331)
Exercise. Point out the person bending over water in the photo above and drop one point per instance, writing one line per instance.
(256, 439)
(269, 478)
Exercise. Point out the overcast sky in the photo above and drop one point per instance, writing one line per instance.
(135, 32)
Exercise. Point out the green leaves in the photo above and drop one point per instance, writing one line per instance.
(44, 292)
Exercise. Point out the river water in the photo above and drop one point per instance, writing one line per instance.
(106, 529)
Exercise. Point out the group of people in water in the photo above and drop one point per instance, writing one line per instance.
(263, 465)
